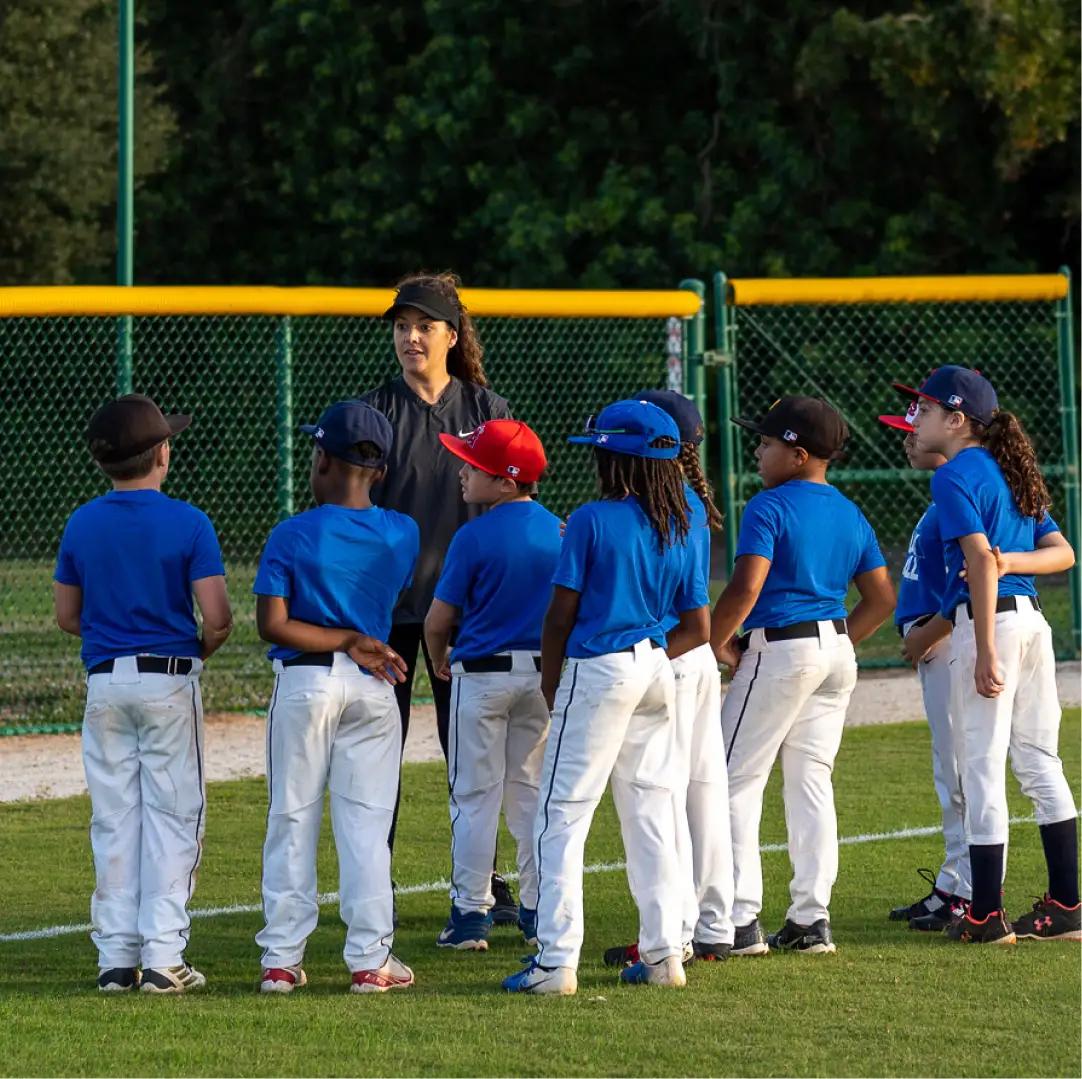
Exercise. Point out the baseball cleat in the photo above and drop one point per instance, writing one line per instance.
(623, 956)
(394, 974)
(936, 901)
(991, 929)
(282, 979)
(814, 939)
(938, 920)
(711, 951)
(667, 973)
(504, 908)
(527, 923)
(549, 981)
(173, 980)
(1050, 920)
(118, 979)
(749, 940)
(466, 930)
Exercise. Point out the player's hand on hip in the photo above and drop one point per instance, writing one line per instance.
(729, 654)
(986, 675)
(377, 658)
(443, 671)
(913, 647)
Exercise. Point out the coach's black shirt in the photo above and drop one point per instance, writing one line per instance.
(422, 477)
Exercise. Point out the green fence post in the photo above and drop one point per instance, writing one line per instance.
(694, 346)
(125, 202)
(1068, 390)
(724, 358)
(283, 385)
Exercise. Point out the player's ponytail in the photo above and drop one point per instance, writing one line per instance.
(657, 484)
(693, 472)
(1006, 440)
(464, 358)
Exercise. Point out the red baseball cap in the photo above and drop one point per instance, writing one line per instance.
(901, 423)
(501, 448)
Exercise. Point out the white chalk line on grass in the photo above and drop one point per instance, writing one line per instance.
(326, 899)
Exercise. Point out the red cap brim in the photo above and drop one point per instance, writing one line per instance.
(461, 449)
(899, 423)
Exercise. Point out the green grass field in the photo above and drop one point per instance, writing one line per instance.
(891, 1002)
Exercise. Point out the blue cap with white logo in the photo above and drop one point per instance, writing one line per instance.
(346, 423)
(959, 389)
(629, 427)
(681, 408)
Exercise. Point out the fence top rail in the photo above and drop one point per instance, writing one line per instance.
(975, 288)
(108, 300)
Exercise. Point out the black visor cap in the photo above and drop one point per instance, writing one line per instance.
(425, 299)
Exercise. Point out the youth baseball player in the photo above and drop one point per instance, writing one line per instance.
(495, 585)
(916, 616)
(128, 564)
(326, 585)
(801, 543)
(993, 517)
(624, 565)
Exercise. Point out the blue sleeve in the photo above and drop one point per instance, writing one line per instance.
(759, 528)
(959, 514)
(275, 574)
(453, 587)
(576, 552)
(206, 555)
(691, 593)
(871, 557)
(1046, 526)
(66, 570)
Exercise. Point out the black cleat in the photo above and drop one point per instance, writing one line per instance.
(118, 980)
(940, 918)
(991, 929)
(625, 956)
(749, 940)
(935, 901)
(814, 939)
(710, 952)
(505, 908)
(1050, 920)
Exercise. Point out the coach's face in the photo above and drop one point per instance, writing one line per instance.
(422, 342)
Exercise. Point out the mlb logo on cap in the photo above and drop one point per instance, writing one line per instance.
(954, 401)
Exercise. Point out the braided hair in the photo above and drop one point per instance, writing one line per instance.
(657, 484)
(692, 468)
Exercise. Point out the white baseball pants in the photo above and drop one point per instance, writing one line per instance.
(495, 750)
(613, 717)
(788, 698)
(701, 800)
(935, 683)
(1023, 721)
(143, 754)
(338, 729)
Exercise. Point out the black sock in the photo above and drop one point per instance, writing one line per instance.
(1061, 853)
(986, 863)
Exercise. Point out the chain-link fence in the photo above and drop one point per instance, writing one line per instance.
(247, 380)
(850, 352)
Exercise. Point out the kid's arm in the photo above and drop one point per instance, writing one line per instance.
(213, 601)
(735, 604)
(983, 577)
(276, 627)
(439, 622)
(876, 602)
(692, 630)
(559, 621)
(920, 640)
(1053, 555)
(68, 604)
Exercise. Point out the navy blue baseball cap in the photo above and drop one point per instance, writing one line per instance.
(959, 389)
(809, 422)
(681, 408)
(628, 427)
(346, 423)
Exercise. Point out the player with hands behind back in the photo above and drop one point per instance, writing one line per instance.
(326, 586)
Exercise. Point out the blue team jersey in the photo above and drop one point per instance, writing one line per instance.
(339, 567)
(971, 495)
(924, 576)
(498, 571)
(628, 586)
(699, 543)
(817, 541)
(135, 555)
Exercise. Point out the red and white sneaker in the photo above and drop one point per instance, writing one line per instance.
(282, 979)
(1050, 920)
(394, 974)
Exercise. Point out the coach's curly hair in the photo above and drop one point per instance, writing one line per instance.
(693, 472)
(1006, 440)
(658, 485)
(464, 359)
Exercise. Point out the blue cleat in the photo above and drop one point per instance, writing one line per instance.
(668, 973)
(466, 930)
(533, 978)
(527, 922)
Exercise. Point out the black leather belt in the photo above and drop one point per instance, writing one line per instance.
(653, 644)
(797, 631)
(149, 665)
(493, 664)
(311, 659)
(1004, 603)
(920, 620)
